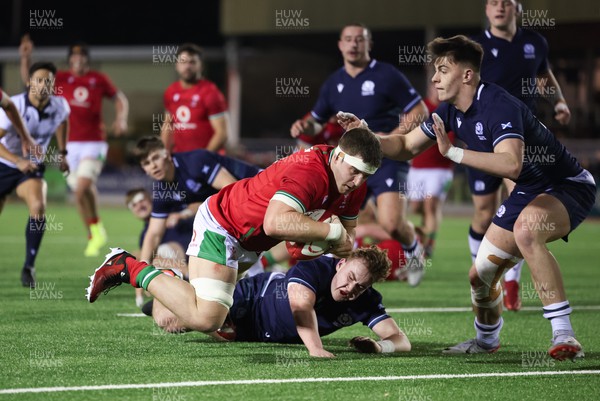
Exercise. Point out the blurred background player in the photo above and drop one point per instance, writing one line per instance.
(28, 144)
(429, 180)
(182, 181)
(45, 115)
(196, 110)
(517, 60)
(316, 298)
(381, 95)
(84, 90)
(171, 251)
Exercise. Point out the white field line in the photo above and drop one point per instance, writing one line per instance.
(426, 310)
(298, 380)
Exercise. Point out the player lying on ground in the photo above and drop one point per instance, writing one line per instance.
(548, 202)
(313, 299)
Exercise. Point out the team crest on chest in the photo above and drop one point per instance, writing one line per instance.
(340, 88)
(479, 131)
(528, 51)
(367, 88)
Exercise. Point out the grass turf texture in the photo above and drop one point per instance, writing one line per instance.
(52, 336)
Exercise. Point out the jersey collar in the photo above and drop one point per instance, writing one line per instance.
(41, 113)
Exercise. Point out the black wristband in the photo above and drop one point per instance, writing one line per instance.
(63, 152)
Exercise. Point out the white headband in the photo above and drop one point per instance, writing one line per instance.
(138, 197)
(354, 161)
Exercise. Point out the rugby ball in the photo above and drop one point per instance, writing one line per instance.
(311, 250)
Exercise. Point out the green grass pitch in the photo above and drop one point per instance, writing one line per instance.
(52, 337)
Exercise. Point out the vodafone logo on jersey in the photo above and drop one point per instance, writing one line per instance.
(81, 95)
(183, 115)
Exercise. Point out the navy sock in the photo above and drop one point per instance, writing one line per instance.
(33, 238)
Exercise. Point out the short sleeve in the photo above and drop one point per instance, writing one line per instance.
(401, 91)
(322, 110)
(215, 103)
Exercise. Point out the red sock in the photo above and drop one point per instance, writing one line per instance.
(134, 267)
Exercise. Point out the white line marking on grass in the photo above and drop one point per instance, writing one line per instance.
(299, 380)
(426, 310)
(469, 309)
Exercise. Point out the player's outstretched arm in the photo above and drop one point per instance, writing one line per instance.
(506, 161)
(154, 234)
(392, 339)
(166, 132)
(25, 50)
(308, 126)
(302, 303)
(28, 145)
(412, 119)
(62, 136)
(121, 114)
(549, 84)
(220, 126)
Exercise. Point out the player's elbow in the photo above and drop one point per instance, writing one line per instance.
(270, 226)
(513, 170)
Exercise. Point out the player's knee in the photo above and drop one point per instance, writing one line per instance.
(490, 263)
(37, 209)
(215, 291)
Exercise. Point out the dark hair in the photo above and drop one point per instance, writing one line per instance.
(42, 65)
(79, 48)
(147, 145)
(376, 261)
(190, 48)
(359, 24)
(362, 142)
(133, 192)
(458, 49)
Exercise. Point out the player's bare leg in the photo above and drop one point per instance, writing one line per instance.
(545, 220)
(86, 198)
(432, 218)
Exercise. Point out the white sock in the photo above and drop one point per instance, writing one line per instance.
(514, 274)
(488, 335)
(409, 249)
(559, 316)
(474, 243)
